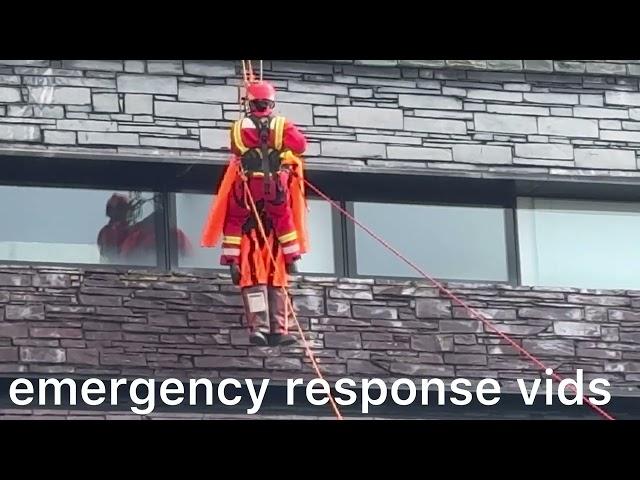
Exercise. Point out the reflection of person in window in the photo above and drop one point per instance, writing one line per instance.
(125, 241)
(113, 234)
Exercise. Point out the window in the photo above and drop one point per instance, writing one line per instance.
(576, 243)
(191, 214)
(77, 226)
(451, 242)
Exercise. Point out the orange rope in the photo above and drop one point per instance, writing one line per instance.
(289, 304)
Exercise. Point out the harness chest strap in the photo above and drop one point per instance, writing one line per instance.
(276, 125)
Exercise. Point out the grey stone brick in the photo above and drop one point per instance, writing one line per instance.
(134, 66)
(490, 122)
(562, 111)
(545, 150)
(307, 98)
(425, 371)
(136, 103)
(44, 111)
(10, 94)
(624, 125)
(9, 354)
(488, 154)
(13, 330)
(570, 127)
(121, 359)
(433, 308)
(591, 100)
(350, 294)
(296, 113)
(60, 95)
(42, 355)
(467, 63)
(605, 158)
(187, 110)
(622, 98)
(517, 87)
(129, 83)
(325, 111)
(151, 129)
(83, 356)
(610, 124)
(518, 110)
(173, 67)
(495, 95)
(361, 92)
(377, 63)
(504, 65)
(214, 68)
(442, 114)
(19, 133)
(59, 138)
(348, 340)
(366, 311)
(430, 101)
(107, 65)
(88, 125)
(551, 313)
(214, 138)
(552, 98)
(106, 102)
(418, 153)
(559, 348)
(422, 63)
(35, 63)
(589, 112)
(539, 65)
(576, 329)
(435, 126)
(207, 93)
(309, 305)
(177, 143)
(108, 138)
(389, 139)
(379, 118)
(465, 359)
(569, 67)
(455, 92)
(606, 68)
(312, 87)
(460, 326)
(352, 149)
(620, 136)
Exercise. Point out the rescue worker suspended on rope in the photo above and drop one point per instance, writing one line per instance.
(265, 165)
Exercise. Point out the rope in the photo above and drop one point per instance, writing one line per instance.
(289, 304)
(472, 312)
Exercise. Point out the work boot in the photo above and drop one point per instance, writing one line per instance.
(282, 339)
(258, 338)
(234, 270)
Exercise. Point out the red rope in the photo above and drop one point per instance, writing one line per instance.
(472, 312)
(289, 304)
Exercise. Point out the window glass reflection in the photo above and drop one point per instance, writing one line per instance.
(578, 243)
(191, 213)
(71, 225)
(450, 242)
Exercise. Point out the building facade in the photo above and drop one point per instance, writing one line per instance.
(515, 182)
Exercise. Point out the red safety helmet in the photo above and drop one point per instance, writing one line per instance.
(262, 98)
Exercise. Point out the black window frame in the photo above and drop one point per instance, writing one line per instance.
(166, 176)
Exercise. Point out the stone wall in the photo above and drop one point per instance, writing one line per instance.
(107, 322)
(522, 119)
